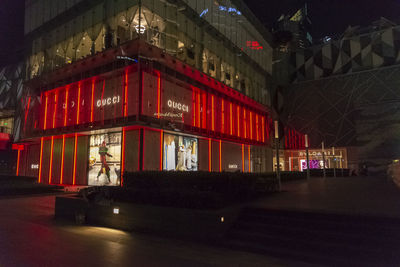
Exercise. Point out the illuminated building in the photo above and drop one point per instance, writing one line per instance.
(157, 85)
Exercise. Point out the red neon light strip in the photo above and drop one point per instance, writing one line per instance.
(45, 113)
(230, 117)
(198, 110)
(257, 128)
(242, 157)
(161, 150)
(102, 96)
(194, 108)
(249, 161)
(27, 111)
(79, 103)
(62, 161)
(238, 120)
(158, 94)
(212, 114)
(209, 155)
(92, 103)
(123, 157)
(75, 150)
(220, 156)
(66, 106)
(263, 128)
(251, 125)
(51, 158)
(55, 109)
(245, 123)
(204, 110)
(18, 157)
(40, 161)
(223, 116)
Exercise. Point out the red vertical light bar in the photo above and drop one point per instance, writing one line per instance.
(222, 116)
(238, 120)
(123, 157)
(18, 157)
(231, 118)
(251, 125)
(40, 161)
(220, 155)
(126, 96)
(257, 129)
(51, 158)
(204, 110)
(242, 157)
(66, 106)
(209, 156)
(75, 150)
(92, 102)
(245, 123)
(263, 128)
(212, 113)
(161, 150)
(79, 103)
(198, 109)
(55, 109)
(193, 108)
(249, 161)
(62, 161)
(45, 112)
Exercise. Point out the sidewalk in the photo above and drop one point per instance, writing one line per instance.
(350, 195)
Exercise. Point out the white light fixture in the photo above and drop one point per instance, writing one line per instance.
(222, 219)
(116, 210)
(140, 29)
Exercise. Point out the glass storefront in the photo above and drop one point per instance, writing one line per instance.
(180, 153)
(105, 159)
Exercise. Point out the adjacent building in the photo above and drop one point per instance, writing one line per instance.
(345, 92)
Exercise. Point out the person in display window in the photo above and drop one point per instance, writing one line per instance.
(103, 152)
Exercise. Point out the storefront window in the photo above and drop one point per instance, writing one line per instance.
(180, 153)
(105, 159)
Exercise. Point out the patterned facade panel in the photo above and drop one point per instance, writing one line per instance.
(353, 54)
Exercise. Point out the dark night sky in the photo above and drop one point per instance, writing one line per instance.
(328, 17)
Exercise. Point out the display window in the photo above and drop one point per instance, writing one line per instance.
(180, 153)
(105, 159)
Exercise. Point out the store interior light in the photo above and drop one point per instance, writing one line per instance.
(116, 210)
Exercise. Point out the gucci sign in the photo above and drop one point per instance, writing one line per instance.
(108, 101)
(178, 106)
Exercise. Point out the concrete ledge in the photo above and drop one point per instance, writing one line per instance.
(202, 225)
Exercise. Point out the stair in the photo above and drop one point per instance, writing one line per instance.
(319, 238)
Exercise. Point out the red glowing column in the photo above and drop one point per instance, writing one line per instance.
(18, 157)
(62, 160)
(51, 158)
(75, 156)
(41, 158)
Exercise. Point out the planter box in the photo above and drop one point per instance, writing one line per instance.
(202, 225)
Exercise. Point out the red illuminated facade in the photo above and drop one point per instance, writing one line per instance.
(146, 101)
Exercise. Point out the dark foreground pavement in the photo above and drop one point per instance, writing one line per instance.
(344, 195)
(29, 236)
